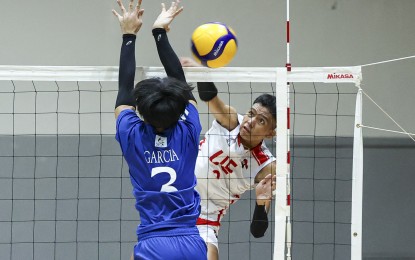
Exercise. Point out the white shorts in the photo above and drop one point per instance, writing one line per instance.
(209, 234)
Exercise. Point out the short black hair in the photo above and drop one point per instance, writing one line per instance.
(161, 101)
(268, 101)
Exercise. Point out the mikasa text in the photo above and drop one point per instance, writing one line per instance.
(215, 53)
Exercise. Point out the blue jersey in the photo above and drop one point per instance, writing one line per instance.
(161, 169)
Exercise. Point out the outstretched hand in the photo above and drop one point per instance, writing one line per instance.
(188, 62)
(166, 16)
(265, 188)
(131, 20)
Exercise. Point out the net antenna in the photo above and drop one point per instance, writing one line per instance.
(288, 236)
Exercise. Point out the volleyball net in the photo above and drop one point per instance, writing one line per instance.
(65, 191)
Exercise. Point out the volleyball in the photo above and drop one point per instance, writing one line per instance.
(214, 44)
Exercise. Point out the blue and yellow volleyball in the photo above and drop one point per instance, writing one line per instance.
(214, 44)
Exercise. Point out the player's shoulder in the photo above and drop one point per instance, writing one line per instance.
(193, 103)
(191, 115)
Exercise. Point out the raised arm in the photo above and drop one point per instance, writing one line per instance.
(166, 53)
(225, 115)
(168, 57)
(130, 23)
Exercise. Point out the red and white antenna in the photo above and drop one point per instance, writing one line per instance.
(288, 237)
(288, 64)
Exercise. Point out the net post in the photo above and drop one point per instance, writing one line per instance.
(282, 166)
(357, 183)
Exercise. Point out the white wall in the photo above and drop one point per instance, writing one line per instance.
(46, 32)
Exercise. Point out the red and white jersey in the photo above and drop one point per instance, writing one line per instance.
(225, 170)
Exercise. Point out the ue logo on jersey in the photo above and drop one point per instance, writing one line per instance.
(160, 141)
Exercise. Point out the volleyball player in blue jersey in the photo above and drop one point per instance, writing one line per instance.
(161, 146)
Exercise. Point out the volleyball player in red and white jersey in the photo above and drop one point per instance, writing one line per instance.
(232, 159)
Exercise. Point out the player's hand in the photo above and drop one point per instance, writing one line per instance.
(131, 19)
(166, 16)
(265, 188)
(188, 62)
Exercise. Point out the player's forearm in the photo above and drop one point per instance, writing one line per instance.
(259, 222)
(168, 57)
(126, 71)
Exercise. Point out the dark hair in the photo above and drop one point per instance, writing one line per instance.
(161, 101)
(268, 101)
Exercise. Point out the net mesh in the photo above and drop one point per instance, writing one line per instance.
(65, 191)
(322, 124)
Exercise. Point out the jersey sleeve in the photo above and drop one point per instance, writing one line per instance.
(191, 118)
(126, 122)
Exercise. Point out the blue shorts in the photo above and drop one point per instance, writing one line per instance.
(189, 247)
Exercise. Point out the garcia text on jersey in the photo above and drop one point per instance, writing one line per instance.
(161, 156)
